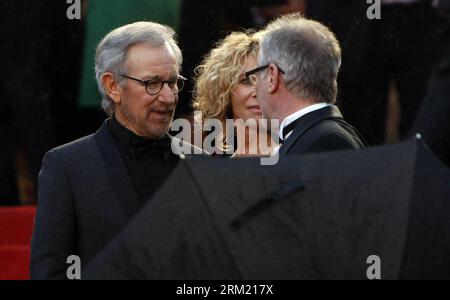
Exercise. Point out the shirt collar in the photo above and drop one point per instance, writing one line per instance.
(133, 144)
(122, 134)
(298, 114)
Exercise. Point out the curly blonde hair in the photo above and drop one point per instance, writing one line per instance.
(218, 74)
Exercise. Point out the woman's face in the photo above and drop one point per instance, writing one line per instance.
(243, 98)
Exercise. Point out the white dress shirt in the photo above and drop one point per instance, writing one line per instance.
(297, 115)
(292, 117)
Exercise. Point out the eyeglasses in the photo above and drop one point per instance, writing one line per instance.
(154, 87)
(251, 75)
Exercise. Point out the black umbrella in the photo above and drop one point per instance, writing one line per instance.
(310, 217)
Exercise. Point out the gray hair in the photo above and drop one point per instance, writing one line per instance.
(111, 53)
(309, 54)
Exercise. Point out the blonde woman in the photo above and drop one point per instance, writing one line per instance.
(223, 92)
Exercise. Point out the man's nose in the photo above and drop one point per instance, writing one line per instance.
(167, 95)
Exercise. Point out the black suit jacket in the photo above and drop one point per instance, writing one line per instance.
(321, 131)
(85, 197)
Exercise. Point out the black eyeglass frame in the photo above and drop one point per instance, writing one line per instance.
(163, 82)
(259, 69)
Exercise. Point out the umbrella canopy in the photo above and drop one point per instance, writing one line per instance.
(309, 217)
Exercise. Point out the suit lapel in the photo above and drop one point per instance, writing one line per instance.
(117, 171)
(307, 122)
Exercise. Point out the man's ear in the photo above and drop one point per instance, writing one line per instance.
(112, 88)
(273, 77)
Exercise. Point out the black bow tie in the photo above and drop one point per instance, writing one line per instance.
(140, 146)
(288, 129)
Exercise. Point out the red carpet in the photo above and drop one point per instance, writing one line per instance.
(16, 226)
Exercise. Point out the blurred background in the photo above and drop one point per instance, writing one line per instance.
(394, 81)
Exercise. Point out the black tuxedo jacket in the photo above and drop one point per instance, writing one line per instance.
(85, 197)
(321, 131)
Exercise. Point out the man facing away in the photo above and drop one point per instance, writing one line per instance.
(90, 188)
(296, 83)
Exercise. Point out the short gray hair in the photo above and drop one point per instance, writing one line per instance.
(309, 54)
(111, 53)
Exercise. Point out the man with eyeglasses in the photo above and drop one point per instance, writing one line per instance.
(89, 189)
(296, 83)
